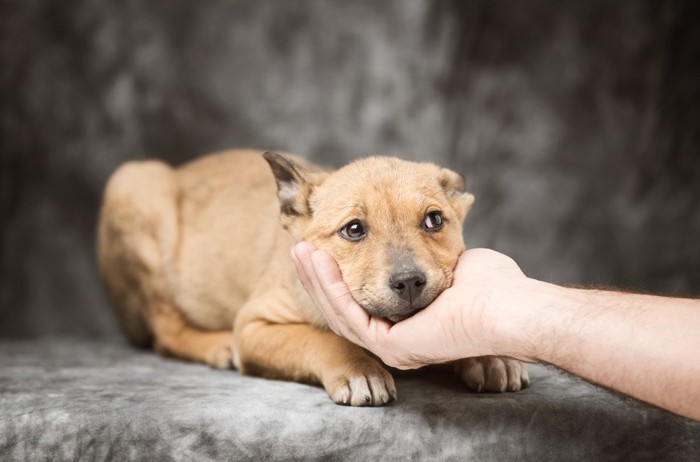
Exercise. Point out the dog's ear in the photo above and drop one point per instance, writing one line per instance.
(295, 184)
(456, 191)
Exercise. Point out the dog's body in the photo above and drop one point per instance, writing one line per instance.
(195, 260)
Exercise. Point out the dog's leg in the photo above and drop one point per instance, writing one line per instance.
(137, 242)
(175, 337)
(492, 373)
(303, 353)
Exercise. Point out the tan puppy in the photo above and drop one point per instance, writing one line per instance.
(196, 262)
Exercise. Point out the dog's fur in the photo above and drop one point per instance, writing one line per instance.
(196, 262)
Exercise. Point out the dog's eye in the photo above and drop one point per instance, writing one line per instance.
(433, 221)
(353, 231)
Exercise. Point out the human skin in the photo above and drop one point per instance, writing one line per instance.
(644, 346)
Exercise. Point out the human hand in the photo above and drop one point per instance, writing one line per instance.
(462, 322)
(493, 309)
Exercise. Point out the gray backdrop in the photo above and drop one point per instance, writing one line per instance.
(576, 123)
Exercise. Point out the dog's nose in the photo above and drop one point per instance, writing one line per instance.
(407, 285)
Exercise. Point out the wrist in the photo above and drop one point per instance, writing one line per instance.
(524, 314)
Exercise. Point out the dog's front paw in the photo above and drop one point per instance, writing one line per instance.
(492, 373)
(365, 384)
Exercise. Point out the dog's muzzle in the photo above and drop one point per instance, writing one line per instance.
(408, 285)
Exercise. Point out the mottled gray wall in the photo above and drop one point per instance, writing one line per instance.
(577, 124)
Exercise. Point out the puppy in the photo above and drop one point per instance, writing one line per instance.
(196, 262)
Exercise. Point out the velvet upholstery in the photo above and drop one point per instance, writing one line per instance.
(68, 399)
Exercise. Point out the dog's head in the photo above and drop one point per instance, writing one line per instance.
(394, 227)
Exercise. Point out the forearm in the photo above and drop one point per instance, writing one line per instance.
(644, 346)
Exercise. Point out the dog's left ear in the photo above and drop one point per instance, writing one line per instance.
(295, 184)
(456, 191)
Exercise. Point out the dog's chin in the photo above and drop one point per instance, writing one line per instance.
(393, 308)
(396, 313)
(404, 314)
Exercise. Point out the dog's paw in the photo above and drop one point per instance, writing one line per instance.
(219, 356)
(492, 373)
(367, 384)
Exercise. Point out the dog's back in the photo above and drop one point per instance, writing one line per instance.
(200, 235)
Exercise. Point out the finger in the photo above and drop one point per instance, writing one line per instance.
(334, 303)
(312, 292)
(302, 253)
(304, 276)
(354, 318)
(333, 316)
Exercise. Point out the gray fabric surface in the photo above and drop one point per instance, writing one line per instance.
(63, 399)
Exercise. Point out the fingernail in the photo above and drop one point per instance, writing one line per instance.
(302, 245)
(318, 257)
(297, 248)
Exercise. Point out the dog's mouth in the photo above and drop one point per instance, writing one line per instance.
(404, 314)
(395, 312)
(392, 307)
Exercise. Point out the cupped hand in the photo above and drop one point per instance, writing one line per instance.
(460, 323)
